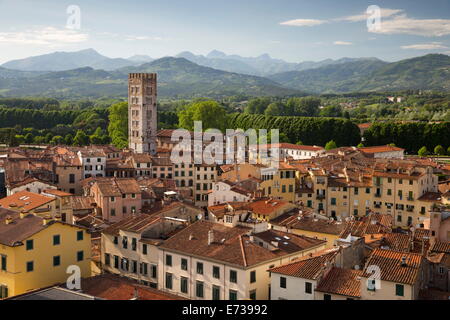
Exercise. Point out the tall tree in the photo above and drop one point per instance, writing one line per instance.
(118, 124)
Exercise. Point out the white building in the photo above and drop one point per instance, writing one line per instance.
(93, 162)
(225, 191)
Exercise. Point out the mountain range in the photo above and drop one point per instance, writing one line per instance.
(87, 73)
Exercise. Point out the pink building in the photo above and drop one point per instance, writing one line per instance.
(117, 198)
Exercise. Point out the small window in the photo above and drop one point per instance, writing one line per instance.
(56, 261)
(399, 290)
(233, 276)
(233, 295)
(326, 297)
(184, 285)
(184, 264)
(144, 249)
(168, 260)
(168, 280)
(216, 272)
(252, 295)
(308, 287)
(199, 268)
(80, 256)
(283, 282)
(30, 245)
(56, 240)
(253, 277)
(30, 266)
(80, 235)
(199, 289)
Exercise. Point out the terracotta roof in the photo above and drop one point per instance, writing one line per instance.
(307, 222)
(58, 193)
(378, 149)
(24, 201)
(117, 186)
(431, 196)
(439, 246)
(81, 202)
(111, 287)
(267, 207)
(231, 244)
(19, 229)
(397, 241)
(306, 268)
(344, 282)
(135, 224)
(390, 264)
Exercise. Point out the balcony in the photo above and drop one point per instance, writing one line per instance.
(320, 196)
(377, 195)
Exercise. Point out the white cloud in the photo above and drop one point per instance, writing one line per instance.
(426, 46)
(44, 36)
(402, 24)
(342, 43)
(303, 22)
(385, 13)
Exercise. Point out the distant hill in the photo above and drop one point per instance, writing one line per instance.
(430, 72)
(177, 77)
(59, 61)
(342, 77)
(263, 65)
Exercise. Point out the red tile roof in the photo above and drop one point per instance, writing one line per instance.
(344, 282)
(390, 264)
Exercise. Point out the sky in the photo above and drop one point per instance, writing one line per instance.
(292, 30)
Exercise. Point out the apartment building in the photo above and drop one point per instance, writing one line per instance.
(116, 197)
(279, 182)
(392, 275)
(69, 172)
(225, 191)
(35, 252)
(214, 262)
(130, 247)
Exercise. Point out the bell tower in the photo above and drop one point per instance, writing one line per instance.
(142, 112)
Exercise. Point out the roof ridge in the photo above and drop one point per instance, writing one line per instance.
(242, 250)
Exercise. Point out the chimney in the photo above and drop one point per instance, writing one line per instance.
(22, 215)
(210, 237)
(8, 220)
(403, 263)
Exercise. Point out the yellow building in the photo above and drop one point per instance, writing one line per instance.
(36, 252)
(279, 183)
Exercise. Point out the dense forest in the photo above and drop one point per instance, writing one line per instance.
(311, 120)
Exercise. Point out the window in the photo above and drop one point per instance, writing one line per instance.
(216, 272)
(168, 260)
(168, 280)
(116, 262)
(3, 292)
(56, 240)
(113, 212)
(144, 249)
(184, 285)
(253, 277)
(233, 276)
(134, 266)
(326, 297)
(199, 268)
(233, 295)
(333, 201)
(283, 282)
(399, 290)
(184, 264)
(116, 240)
(30, 266)
(215, 293)
(30, 245)
(252, 295)
(80, 235)
(125, 242)
(154, 271)
(308, 287)
(4, 262)
(107, 259)
(144, 268)
(199, 289)
(71, 178)
(371, 285)
(56, 261)
(133, 244)
(80, 256)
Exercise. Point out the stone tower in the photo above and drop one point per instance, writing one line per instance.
(142, 112)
